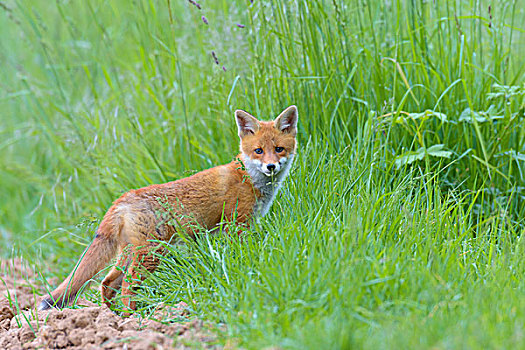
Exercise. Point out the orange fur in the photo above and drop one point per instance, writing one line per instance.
(236, 191)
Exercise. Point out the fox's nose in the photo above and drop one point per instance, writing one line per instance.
(271, 167)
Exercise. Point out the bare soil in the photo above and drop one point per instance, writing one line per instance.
(90, 327)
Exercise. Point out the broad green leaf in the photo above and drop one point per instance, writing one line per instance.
(506, 91)
(427, 114)
(481, 116)
(419, 154)
(437, 151)
(469, 115)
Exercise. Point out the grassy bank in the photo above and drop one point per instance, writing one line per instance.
(401, 224)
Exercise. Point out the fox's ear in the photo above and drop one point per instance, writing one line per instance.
(246, 123)
(287, 120)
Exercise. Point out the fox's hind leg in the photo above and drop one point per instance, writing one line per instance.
(113, 280)
(144, 259)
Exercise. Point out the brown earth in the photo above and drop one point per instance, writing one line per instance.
(90, 327)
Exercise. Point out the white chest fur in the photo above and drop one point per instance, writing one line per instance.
(268, 185)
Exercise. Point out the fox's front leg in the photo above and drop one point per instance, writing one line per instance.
(143, 259)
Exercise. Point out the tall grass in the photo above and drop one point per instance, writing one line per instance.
(423, 73)
(372, 262)
(402, 219)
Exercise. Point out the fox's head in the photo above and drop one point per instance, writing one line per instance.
(267, 148)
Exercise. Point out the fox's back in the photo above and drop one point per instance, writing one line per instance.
(201, 200)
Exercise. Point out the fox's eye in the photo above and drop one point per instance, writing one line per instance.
(279, 149)
(259, 150)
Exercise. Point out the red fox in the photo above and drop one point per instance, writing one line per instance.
(139, 219)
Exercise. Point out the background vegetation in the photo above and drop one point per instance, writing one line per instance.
(401, 224)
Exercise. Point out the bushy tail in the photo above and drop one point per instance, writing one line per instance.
(95, 258)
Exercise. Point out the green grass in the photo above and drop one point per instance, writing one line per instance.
(401, 224)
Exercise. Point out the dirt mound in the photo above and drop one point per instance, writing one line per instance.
(17, 284)
(91, 327)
